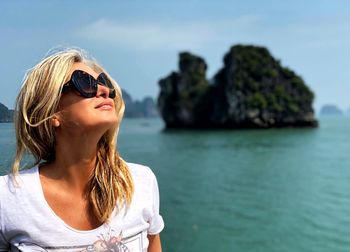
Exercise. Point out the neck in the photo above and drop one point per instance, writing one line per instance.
(75, 161)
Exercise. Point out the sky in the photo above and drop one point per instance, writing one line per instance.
(138, 42)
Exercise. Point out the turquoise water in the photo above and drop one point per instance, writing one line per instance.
(245, 190)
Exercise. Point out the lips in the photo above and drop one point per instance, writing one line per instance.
(105, 105)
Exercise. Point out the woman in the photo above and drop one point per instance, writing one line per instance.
(80, 195)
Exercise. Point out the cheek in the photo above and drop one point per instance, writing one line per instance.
(73, 109)
(74, 116)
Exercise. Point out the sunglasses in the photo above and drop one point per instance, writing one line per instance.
(86, 84)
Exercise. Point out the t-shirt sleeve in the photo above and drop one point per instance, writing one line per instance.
(156, 221)
(4, 246)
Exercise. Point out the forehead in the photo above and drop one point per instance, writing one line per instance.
(83, 67)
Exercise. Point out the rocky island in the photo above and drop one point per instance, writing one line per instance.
(252, 90)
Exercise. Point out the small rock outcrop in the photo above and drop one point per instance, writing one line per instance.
(6, 115)
(252, 90)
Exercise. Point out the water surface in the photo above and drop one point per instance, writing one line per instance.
(243, 190)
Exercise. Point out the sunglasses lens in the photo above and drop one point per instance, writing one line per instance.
(85, 83)
(103, 80)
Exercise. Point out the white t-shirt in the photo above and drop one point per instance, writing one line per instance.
(27, 223)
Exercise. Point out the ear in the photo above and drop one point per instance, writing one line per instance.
(55, 122)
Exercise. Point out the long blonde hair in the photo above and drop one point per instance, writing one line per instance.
(111, 184)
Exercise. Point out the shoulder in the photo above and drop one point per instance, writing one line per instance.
(142, 174)
(12, 184)
(140, 170)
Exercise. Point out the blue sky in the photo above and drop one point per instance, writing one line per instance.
(138, 41)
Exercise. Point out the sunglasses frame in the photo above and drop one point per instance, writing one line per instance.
(78, 83)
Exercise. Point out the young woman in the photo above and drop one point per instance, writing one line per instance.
(80, 195)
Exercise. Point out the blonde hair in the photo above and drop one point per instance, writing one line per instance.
(111, 183)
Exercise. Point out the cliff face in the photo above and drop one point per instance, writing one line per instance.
(182, 92)
(252, 90)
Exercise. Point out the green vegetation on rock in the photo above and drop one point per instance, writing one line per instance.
(252, 90)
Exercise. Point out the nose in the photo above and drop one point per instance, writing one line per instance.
(102, 91)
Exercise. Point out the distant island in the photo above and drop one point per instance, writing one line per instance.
(133, 109)
(330, 109)
(251, 90)
(145, 108)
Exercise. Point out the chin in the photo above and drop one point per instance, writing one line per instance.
(96, 123)
(112, 122)
(107, 123)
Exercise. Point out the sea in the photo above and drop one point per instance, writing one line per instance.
(274, 190)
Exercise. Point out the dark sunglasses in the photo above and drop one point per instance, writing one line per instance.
(86, 84)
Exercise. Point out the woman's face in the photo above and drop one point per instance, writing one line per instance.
(77, 113)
